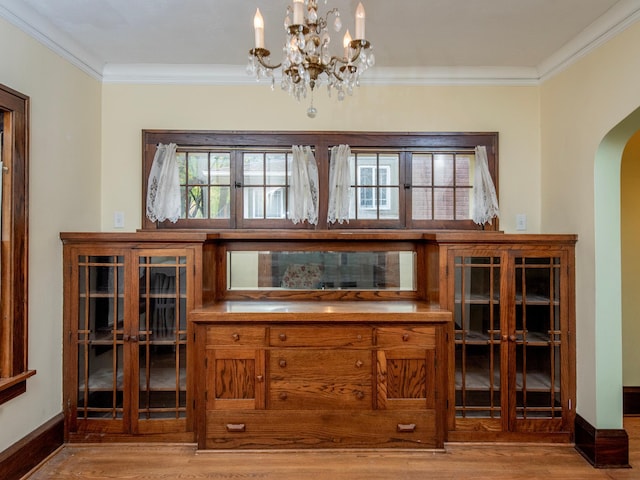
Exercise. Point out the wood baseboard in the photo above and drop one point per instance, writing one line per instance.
(27, 453)
(602, 448)
(631, 400)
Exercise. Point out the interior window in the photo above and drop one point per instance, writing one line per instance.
(397, 181)
(14, 123)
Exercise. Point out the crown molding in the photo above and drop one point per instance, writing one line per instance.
(237, 75)
(38, 27)
(622, 15)
(613, 22)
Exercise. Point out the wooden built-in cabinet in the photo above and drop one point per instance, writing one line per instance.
(322, 374)
(512, 299)
(302, 339)
(126, 336)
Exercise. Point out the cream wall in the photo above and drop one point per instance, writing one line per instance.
(580, 194)
(630, 235)
(511, 111)
(64, 183)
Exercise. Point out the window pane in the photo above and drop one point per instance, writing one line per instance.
(253, 169)
(220, 202)
(198, 201)
(391, 174)
(253, 202)
(197, 168)
(421, 170)
(463, 170)
(275, 202)
(443, 170)
(220, 169)
(276, 169)
(181, 160)
(443, 204)
(421, 205)
(390, 203)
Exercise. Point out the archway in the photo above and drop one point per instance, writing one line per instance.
(608, 302)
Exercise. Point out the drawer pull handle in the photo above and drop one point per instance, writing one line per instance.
(406, 427)
(359, 363)
(282, 337)
(282, 363)
(405, 337)
(236, 337)
(236, 427)
(283, 396)
(259, 378)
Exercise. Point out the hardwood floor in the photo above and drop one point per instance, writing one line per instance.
(495, 462)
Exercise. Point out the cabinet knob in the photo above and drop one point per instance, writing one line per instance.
(405, 337)
(236, 337)
(359, 395)
(283, 396)
(359, 363)
(507, 338)
(259, 378)
(282, 337)
(282, 363)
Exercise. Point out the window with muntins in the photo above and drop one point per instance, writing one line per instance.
(232, 180)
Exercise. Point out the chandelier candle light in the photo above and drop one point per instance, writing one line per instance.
(307, 62)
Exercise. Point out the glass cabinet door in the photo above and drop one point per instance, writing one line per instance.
(100, 337)
(161, 331)
(478, 325)
(538, 337)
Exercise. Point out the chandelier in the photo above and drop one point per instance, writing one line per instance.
(307, 62)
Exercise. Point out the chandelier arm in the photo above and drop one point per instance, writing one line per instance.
(260, 54)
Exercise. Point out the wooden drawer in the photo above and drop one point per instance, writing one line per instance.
(406, 337)
(320, 336)
(321, 429)
(235, 335)
(316, 379)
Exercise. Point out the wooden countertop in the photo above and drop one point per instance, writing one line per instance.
(315, 311)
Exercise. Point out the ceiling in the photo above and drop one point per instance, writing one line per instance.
(414, 40)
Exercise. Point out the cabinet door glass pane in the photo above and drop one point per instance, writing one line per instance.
(477, 336)
(538, 337)
(162, 337)
(100, 336)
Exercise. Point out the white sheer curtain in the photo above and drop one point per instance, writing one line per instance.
(303, 193)
(339, 184)
(163, 188)
(485, 200)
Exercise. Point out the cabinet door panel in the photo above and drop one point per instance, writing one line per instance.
(406, 378)
(158, 334)
(538, 321)
(478, 316)
(98, 313)
(235, 379)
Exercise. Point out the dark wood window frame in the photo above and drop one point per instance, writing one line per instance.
(14, 108)
(321, 142)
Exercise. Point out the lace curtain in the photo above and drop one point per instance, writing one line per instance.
(485, 200)
(303, 200)
(163, 188)
(339, 183)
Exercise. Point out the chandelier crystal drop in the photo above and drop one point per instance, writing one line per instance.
(307, 61)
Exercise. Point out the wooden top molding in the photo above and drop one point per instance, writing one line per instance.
(312, 311)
